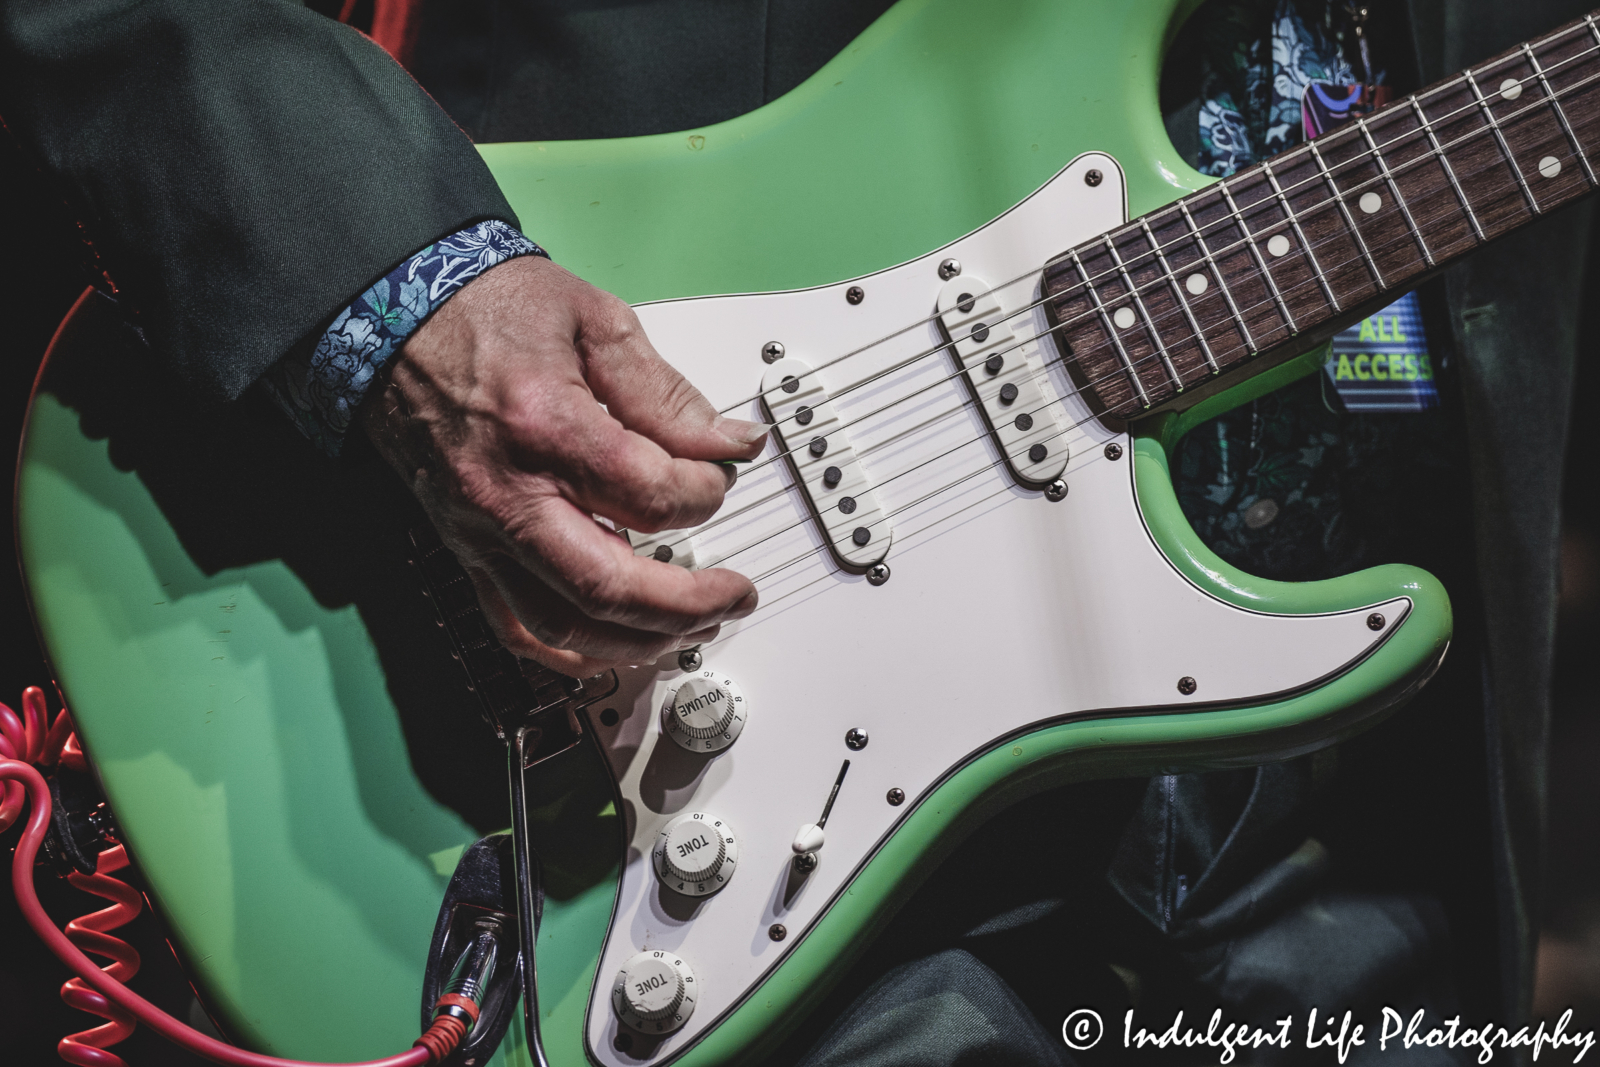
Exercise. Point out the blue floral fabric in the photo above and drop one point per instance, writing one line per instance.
(321, 391)
(1252, 84)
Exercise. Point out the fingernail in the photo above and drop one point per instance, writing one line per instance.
(745, 433)
(730, 474)
(745, 606)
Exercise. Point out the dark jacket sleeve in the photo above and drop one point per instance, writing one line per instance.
(243, 168)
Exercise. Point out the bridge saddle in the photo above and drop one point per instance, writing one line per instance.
(836, 485)
(1006, 377)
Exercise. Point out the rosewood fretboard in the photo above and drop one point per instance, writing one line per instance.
(1280, 256)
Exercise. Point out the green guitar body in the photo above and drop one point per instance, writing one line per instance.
(264, 752)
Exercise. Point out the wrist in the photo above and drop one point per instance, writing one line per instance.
(322, 390)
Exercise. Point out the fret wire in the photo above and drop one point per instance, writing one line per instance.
(1255, 250)
(1305, 245)
(1449, 171)
(1110, 328)
(1500, 139)
(1394, 189)
(1561, 115)
(1349, 220)
(1222, 283)
(1144, 313)
(1178, 294)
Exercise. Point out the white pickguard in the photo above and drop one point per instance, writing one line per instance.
(1003, 610)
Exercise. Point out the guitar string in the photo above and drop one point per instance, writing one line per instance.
(1399, 238)
(1236, 219)
(1165, 318)
(1420, 132)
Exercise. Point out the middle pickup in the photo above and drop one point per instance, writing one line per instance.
(836, 485)
(1007, 380)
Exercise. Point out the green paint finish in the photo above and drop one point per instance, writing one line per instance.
(243, 731)
(899, 145)
(245, 738)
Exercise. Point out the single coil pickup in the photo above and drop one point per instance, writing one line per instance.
(836, 485)
(1006, 379)
(668, 546)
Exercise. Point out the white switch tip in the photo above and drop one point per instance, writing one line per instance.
(809, 839)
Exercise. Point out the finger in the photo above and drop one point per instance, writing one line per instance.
(628, 478)
(597, 571)
(534, 623)
(647, 395)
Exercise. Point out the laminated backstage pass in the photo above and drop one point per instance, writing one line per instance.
(1380, 364)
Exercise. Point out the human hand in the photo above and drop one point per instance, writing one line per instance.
(492, 415)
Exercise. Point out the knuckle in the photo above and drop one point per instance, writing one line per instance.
(560, 634)
(658, 510)
(604, 591)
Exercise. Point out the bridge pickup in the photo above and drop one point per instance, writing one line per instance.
(836, 486)
(1006, 379)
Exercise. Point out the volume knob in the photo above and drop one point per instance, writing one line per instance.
(705, 713)
(654, 992)
(695, 854)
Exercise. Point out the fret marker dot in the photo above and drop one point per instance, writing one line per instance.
(1370, 203)
(1511, 88)
(1197, 283)
(1123, 317)
(1278, 245)
(1549, 166)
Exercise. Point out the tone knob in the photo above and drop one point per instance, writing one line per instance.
(705, 712)
(695, 854)
(654, 992)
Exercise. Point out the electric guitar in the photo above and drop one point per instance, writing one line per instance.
(976, 581)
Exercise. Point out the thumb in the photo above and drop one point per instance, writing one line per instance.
(644, 393)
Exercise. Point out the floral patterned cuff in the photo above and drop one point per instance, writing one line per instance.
(320, 391)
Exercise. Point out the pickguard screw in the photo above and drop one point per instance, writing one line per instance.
(1376, 621)
(772, 351)
(949, 269)
(805, 862)
(1092, 178)
(877, 574)
(1056, 491)
(855, 294)
(897, 796)
(856, 739)
(690, 659)
(1113, 451)
(663, 553)
(608, 717)
(1186, 685)
(777, 931)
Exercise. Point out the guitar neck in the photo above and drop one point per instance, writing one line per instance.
(1282, 255)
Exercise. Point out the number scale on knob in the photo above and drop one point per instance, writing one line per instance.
(695, 854)
(705, 713)
(654, 992)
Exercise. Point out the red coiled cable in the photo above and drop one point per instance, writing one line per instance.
(23, 742)
(92, 933)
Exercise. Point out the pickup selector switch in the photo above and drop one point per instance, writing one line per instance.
(705, 713)
(695, 854)
(654, 992)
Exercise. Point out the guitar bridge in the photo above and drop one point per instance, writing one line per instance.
(514, 694)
